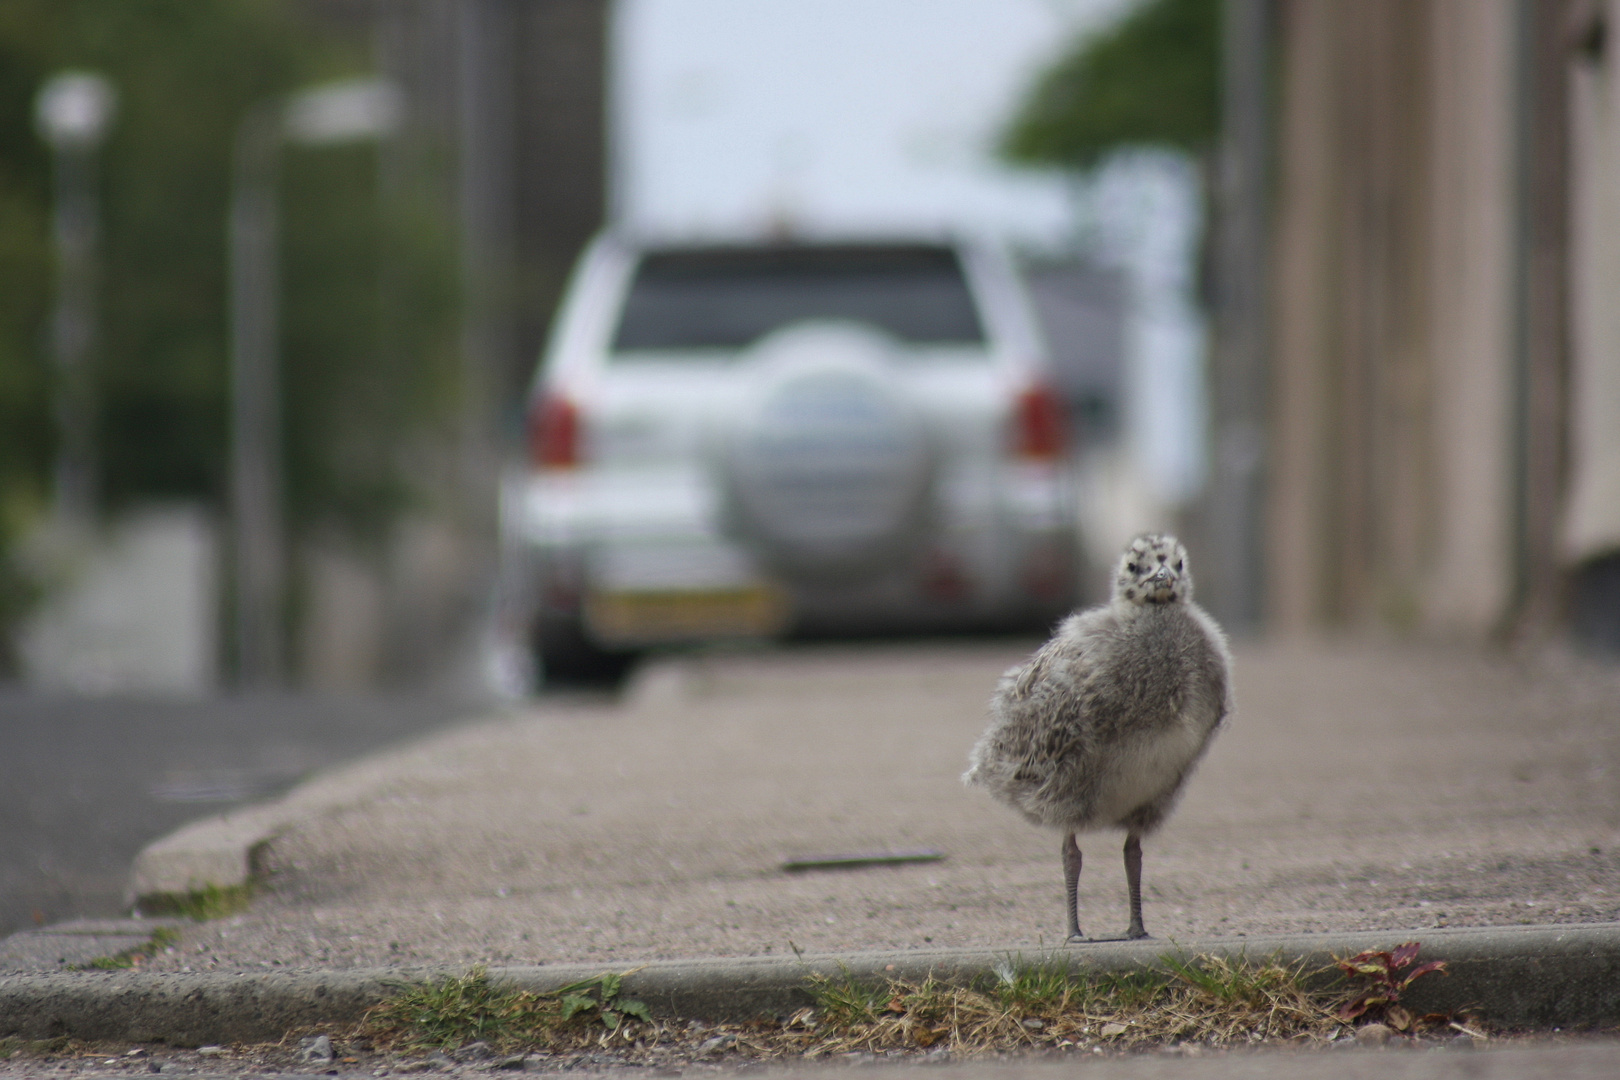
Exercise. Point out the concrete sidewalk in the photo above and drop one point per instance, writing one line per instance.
(1360, 787)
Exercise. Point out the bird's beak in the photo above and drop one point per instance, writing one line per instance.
(1163, 574)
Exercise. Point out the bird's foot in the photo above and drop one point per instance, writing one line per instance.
(1136, 933)
(1076, 939)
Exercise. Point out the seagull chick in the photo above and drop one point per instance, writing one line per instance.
(1103, 724)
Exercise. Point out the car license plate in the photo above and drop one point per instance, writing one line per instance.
(657, 616)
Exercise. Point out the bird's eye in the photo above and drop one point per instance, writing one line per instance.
(1132, 567)
(1178, 566)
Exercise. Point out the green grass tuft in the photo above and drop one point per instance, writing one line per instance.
(1025, 988)
(134, 957)
(845, 1001)
(457, 1010)
(454, 1011)
(202, 904)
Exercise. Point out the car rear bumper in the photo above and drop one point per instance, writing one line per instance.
(645, 558)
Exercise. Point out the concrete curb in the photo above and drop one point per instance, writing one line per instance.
(216, 851)
(223, 850)
(1518, 977)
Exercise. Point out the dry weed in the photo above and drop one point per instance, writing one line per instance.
(1207, 1000)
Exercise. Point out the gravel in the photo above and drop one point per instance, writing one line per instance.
(1539, 1058)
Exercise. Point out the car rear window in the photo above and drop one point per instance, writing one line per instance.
(727, 298)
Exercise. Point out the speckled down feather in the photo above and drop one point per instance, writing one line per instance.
(1103, 724)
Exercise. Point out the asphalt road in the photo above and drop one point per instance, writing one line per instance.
(85, 783)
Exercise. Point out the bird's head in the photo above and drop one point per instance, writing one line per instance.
(1153, 570)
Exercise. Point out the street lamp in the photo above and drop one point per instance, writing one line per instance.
(331, 114)
(72, 113)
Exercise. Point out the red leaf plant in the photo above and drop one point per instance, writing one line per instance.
(1378, 979)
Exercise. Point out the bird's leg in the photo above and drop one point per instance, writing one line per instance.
(1133, 879)
(1071, 884)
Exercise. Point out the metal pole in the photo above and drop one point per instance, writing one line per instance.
(486, 131)
(256, 514)
(72, 111)
(1541, 330)
(1238, 387)
(325, 115)
(73, 333)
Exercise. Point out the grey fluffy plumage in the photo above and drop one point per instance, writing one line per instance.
(1101, 727)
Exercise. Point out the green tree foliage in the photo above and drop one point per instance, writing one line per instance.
(1153, 78)
(367, 281)
(24, 295)
(368, 341)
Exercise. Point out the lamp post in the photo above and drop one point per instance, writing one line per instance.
(331, 114)
(72, 112)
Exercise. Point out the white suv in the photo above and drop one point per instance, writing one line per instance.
(742, 441)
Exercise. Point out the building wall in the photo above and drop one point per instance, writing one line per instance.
(1392, 348)
(1591, 528)
(1297, 497)
(1468, 562)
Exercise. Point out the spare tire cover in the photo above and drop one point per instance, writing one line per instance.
(828, 463)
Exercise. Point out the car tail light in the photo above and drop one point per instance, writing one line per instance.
(1038, 430)
(554, 432)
